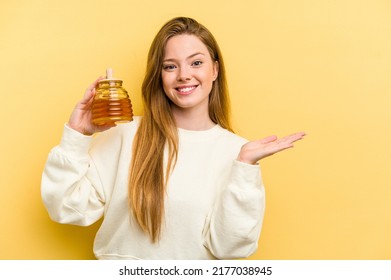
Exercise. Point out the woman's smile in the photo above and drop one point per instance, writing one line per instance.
(186, 90)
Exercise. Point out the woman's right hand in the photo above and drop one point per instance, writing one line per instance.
(81, 117)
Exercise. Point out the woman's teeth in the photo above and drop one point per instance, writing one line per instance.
(186, 89)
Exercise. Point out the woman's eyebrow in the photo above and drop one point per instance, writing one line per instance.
(190, 56)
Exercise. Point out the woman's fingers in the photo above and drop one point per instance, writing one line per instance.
(90, 91)
(293, 138)
(268, 139)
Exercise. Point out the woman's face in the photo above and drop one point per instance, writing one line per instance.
(188, 73)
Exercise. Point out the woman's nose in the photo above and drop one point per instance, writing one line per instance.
(184, 74)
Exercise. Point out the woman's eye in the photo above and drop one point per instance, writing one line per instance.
(197, 63)
(168, 67)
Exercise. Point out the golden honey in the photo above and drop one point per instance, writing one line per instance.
(111, 103)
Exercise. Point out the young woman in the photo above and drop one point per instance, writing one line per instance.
(176, 183)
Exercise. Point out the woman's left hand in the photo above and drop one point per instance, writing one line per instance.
(254, 151)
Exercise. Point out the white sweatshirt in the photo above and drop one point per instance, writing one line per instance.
(213, 209)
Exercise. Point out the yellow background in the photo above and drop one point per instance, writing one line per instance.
(319, 66)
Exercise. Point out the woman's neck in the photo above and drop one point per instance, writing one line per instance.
(192, 119)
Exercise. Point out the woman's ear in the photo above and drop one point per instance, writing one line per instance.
(215, 70)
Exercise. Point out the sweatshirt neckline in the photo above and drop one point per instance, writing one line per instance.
(194, 134)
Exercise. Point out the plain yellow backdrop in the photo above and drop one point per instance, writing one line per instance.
(320, 66)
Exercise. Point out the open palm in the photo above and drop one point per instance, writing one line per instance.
(254, 151)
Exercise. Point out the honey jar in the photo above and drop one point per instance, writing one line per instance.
(111, 103)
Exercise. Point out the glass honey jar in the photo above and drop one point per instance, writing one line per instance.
(111, 103)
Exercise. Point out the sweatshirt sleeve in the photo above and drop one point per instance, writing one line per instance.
(233, 227)
(70, 186)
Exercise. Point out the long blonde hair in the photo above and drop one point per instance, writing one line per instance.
(157, 130)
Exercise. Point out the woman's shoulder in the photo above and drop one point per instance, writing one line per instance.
(120, 131)
(130, 126)
(232, 137)
(126, 127)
